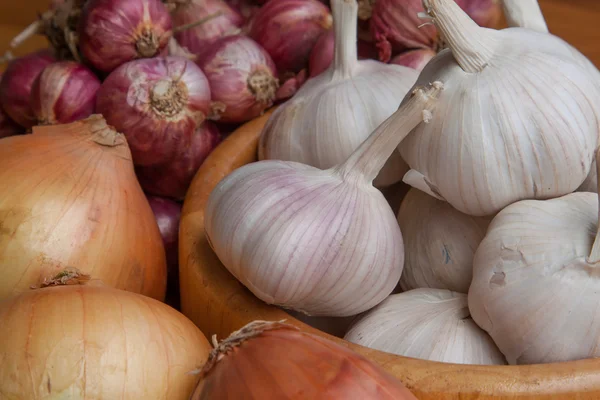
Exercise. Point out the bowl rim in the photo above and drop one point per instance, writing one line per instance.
(218, 304)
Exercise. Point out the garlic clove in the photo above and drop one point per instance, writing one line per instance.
(430, 324)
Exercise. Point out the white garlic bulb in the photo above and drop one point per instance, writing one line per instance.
(334, 112)
(536, 285)
(518, 118)
(591, 182)
(524, 14)
(439, 243)
(323, 242)
(430, 324)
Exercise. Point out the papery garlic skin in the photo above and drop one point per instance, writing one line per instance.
(439, 243)
(534, 289)
(518, 119)
(430, 324)
(334, 112)
(331, 282)
(590, 184)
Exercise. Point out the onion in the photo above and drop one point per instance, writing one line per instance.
(167, 214)
(288, 30)
(321, 56)
(64, 92)
(8, 127)
(242, 77)
(197, 38)
(156, 103)
(288, 88)
(415, 59)
(15, 87)
(69, 198)
(114, 32)
(246, 8)
(94, 342)
(174, 178)
(271, 360)
(485, 13)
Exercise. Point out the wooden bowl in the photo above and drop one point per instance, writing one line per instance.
(219, 305)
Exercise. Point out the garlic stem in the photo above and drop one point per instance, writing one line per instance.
(345, 14)
(595, 253)
(471, 45)
(370, 157)
(525, 14)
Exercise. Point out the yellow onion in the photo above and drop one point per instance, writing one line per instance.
(275, 361)
(69, 197)
(92, 342)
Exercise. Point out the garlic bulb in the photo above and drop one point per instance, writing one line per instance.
(524, 14)
(518, 119)
(591, 182)
(323, 242)
(334, 112)
(430, 324)
(536, 286)
(439, 243)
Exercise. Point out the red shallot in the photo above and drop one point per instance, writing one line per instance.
(486, 13)
(246, 8)
(288, 30)
(195, 39)
(8, 127)
(113, 32)
(242, 77)
(173, 178)
(415, 59)
(15, 87)
(156, 103)
(64, 92)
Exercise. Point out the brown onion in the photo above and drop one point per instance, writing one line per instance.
(113, 32)
(197, 38)
(415, 59)
(174, 178)
(94, 342)
(288, 30)
(64, 92)
(70, 198)
(15, 87)
(272, 360)
(242, 77)
(321, 56)
(157, 103)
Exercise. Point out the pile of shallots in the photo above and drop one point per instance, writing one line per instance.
(492, 254)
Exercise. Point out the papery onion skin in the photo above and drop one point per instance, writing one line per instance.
(168, 214)
(288, 30)
(415, 59)
(174, 178)
(157, 103)
(429, 324)
(94, 342)
(15, 87)
(242, 77)
(249, 365)
(439, 243)
(79, 206)
(64, 92)
(113, 32)
(197, 38)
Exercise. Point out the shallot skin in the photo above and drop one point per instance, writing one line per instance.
(288, 30)
(15, 87)
(157, 103)
(174, 178)
(64, 92)
(242, 76)
(415, 59)
(197, 38)
(113, 32)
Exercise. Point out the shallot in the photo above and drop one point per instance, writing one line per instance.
(415, 59)
(242, 77)
(15, 87)
(113, 32)
(64, 92)
(157, 103)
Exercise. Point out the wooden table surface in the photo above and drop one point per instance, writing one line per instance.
(576, 21)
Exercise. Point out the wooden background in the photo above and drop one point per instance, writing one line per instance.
(576, 21)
